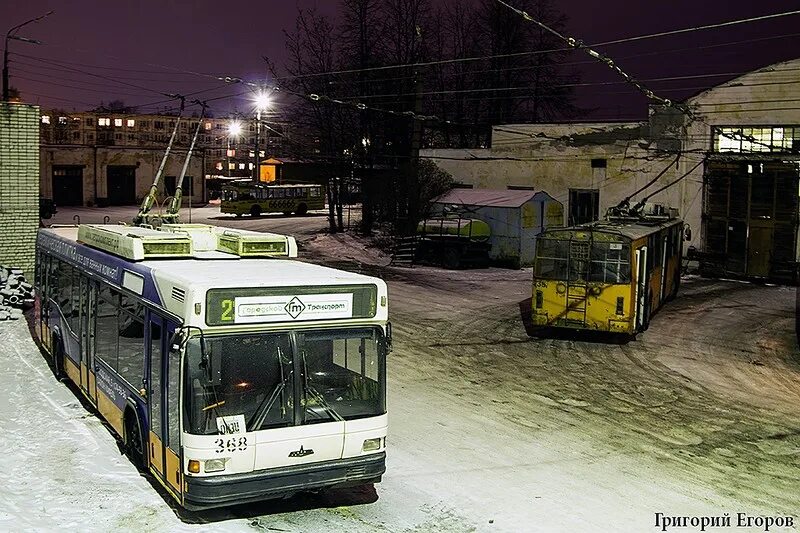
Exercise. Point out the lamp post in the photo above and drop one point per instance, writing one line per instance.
(234, 130)
(262, 101)
(12, 34)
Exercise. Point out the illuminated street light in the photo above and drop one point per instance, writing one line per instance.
(262, 101)
(234, 131)
(235, 128)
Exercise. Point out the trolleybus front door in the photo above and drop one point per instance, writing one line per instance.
(88, 291)
(161, 400)
(641, 287)
(155, 394)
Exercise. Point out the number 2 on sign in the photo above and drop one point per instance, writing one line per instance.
(227, 310)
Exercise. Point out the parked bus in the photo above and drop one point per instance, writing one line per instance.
(229, 375)
(609, 276)
(243, 197)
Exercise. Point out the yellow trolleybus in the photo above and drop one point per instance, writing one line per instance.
(608, 275)
(245, 197)
(229, 375)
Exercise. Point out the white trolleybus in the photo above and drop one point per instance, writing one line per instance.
(229, 375)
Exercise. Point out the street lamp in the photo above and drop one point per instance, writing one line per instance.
(262, 101)
(234, 130)
(12, 34)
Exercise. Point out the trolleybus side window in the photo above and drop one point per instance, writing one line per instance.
(106, 326)
(130, 359)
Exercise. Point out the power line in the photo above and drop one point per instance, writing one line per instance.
(536, 52)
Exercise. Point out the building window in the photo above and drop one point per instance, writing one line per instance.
(131, 137)
(208, 125)
(90, 137)
(76, 136)
(599, 163)
(584, 206)
(261, 153)
(45, 119)
(90, 122)
(231, 166)
(158, 124)
(241, 166)
(62, 120)
(103, 121)
(118, 122)
(231, 153)
(219, 165)
(251, 154)
(131, 122)
(756, 139)
(118, 136)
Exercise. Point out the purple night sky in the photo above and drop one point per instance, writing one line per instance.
(152, 43)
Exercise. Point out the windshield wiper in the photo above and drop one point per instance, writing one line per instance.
(265, 406)
(316, 396)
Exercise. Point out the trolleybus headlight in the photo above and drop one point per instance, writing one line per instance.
(194, 466)
(214, 465)
(371, 445)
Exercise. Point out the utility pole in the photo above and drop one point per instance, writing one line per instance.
(12, 34)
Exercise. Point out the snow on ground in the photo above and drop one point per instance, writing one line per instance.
(490, 429)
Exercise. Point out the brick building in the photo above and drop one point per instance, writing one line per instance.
(19, 184)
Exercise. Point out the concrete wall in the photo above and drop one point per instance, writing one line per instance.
(95, 161)
(19, 185)
(558, 157)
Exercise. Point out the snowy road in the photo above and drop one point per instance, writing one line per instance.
(490, 430)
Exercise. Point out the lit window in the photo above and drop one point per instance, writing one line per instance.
(261, 153)
(231, 153)
(118, 122)
(208, 125)
(103, 121)
(252, 153)
(241, 166)
(219, 165)
(45, 119)
(62, 120)
(250, 166)
(131, 122)
(231, 166)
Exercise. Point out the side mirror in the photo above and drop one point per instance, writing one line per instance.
(388, 337)
(687, 233)
(176, 342)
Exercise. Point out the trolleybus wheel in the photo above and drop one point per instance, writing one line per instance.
(302, 209)
(255, 211)
(134, 446)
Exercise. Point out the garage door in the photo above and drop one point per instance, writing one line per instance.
(67, 185)
(121, 184)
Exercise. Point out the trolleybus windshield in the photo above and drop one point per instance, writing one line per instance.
(341, 377)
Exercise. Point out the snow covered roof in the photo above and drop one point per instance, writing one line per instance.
(486, 197)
